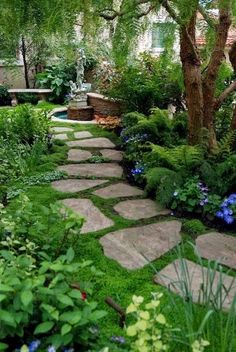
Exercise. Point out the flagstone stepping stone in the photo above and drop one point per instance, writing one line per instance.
(61, 136)
(135, 247)
(76, 185)
(139, 209)
(118, 190)
(78, 155)
(114, 155)
(219, 247)
(97, 170)
(92, 143)
(180, 273)
(95, 219)
(61, 129)
(82, 134)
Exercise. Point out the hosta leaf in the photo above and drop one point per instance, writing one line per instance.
(70, 255)
(161, 319)
(44, 327)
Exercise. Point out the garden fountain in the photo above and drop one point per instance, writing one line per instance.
(78, 108)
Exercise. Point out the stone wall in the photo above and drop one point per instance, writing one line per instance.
(104, 106)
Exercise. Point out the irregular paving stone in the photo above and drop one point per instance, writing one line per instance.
(114, 155)
(118, 190)
(78, 155)
(76, 185)
(61, 129)
(139, 209)
(61, 136)
(92, 143)
(219, 247)
(95, 219)
(83, 134)
(97, 170)
(135, 247)
(181, 273)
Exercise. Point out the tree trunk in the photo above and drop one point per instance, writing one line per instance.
(233, 123)
(26, 71)
(209, 81)
(193, 83)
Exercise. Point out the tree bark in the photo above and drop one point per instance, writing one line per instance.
(191, 65)
(24, 55)
(209, 81)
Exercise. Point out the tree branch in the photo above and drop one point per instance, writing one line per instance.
(230, 89)
(207, 18)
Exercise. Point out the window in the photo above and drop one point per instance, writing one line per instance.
(160, 33)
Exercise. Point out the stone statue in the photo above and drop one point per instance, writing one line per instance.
(73, 88)
(81, 62)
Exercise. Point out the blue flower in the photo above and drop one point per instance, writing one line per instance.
(51, 349)
(229, 219)
(119, 339)
(33, 346)
(219, 214)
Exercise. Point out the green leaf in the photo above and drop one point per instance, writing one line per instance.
(2, 297)
(98, 314)
(65, 329)
(3, 346)
(6, 288)
(71, 317)
(67, 301)
(7, 317)
(26, 297)
(44, 327)
(70, 254)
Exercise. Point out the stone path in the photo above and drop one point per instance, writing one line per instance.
(135, 247)
(78, 155)
(118, 190)
(92, 143)
(219, 247)
(114, 155)
(96, 170)
(139, 209)
(183, 276)
(74, 186)
(95, 220)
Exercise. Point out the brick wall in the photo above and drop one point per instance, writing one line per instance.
(103, 105)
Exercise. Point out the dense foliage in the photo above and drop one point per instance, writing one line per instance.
(144, 84)
(182, 177)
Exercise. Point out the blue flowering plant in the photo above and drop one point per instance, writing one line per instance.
(137, 172)
(191, 197)
(227, 211)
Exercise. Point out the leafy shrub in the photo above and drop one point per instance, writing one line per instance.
(132, 118)
(57, 77)
(24, 125)
(145, 84)
(194, 227)
(45, 301)
(162, 183)
(5, 98)
(30, 98)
